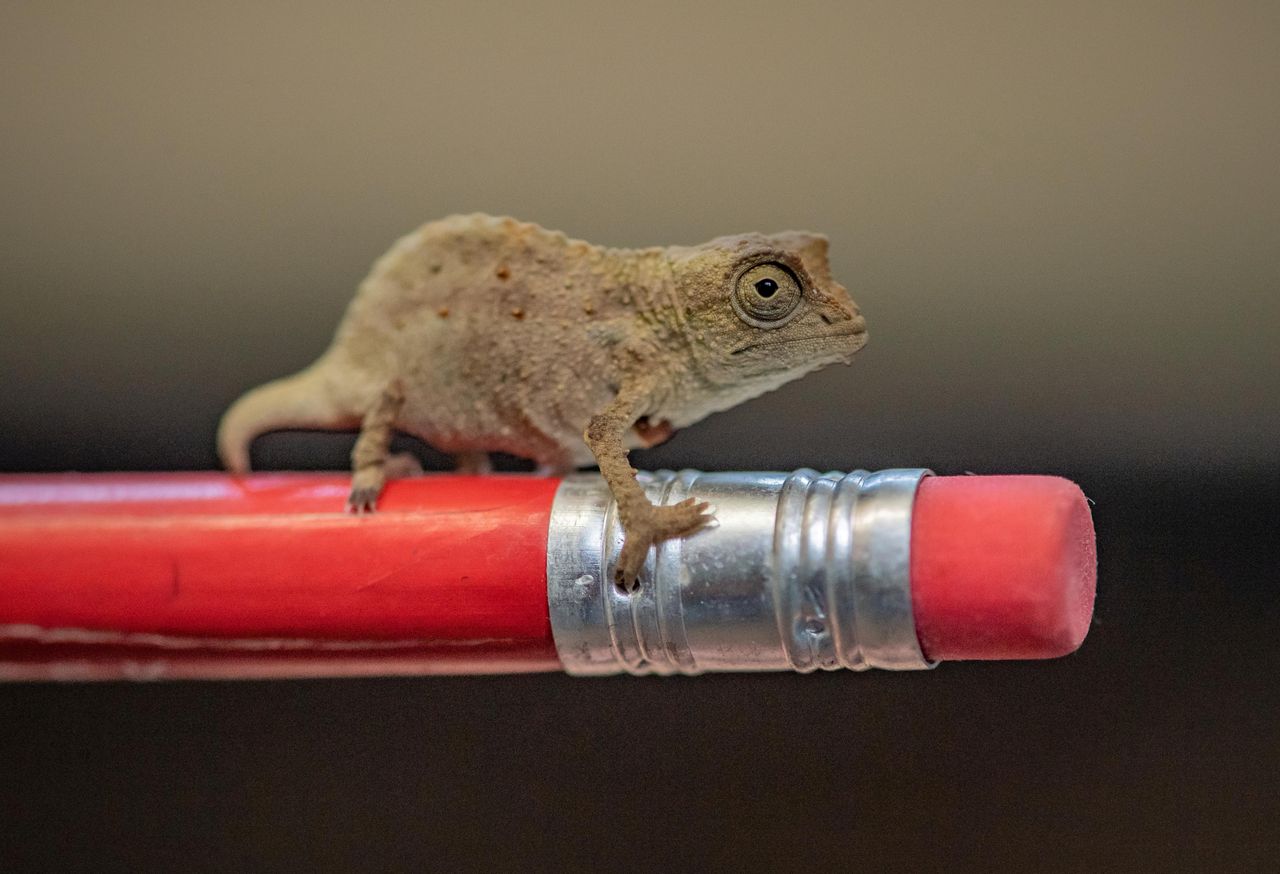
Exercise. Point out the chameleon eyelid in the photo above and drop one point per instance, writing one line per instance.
(774, 259)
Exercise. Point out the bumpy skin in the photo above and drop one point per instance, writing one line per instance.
(480, 334)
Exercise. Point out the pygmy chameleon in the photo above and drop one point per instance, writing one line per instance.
(479, 334)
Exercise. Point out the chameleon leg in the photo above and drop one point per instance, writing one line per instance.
(369, 457)
(643, 524)
(653, 434)
(475, 463)
(554, 462)
(402, 465)
(559, 468)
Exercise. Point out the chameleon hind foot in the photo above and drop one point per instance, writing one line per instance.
(368, 482)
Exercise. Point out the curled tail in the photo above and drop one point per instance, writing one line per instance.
(299, 401)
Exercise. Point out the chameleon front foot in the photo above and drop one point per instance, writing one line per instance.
(652, 526)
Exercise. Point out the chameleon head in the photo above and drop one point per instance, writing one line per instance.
(764, 309)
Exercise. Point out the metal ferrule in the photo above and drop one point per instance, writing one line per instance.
(799, 571)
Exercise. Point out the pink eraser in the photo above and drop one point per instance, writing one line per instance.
(1002, 567)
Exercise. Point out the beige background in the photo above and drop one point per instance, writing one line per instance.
(1062, 220)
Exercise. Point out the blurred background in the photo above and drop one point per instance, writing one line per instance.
(1062, 222)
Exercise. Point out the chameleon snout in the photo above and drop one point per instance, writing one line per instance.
(834, 311)
(848, 323)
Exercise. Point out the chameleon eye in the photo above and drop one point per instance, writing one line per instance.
(766, 295)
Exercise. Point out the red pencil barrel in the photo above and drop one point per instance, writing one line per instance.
(173, 575)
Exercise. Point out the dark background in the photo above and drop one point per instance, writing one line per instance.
(1062, 222)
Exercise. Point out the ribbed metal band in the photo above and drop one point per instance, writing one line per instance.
(801, 571)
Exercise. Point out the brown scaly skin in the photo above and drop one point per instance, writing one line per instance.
(479, 334)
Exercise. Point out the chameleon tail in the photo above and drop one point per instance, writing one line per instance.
(303, 400)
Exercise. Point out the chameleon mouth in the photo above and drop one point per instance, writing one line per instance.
(827, 335)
